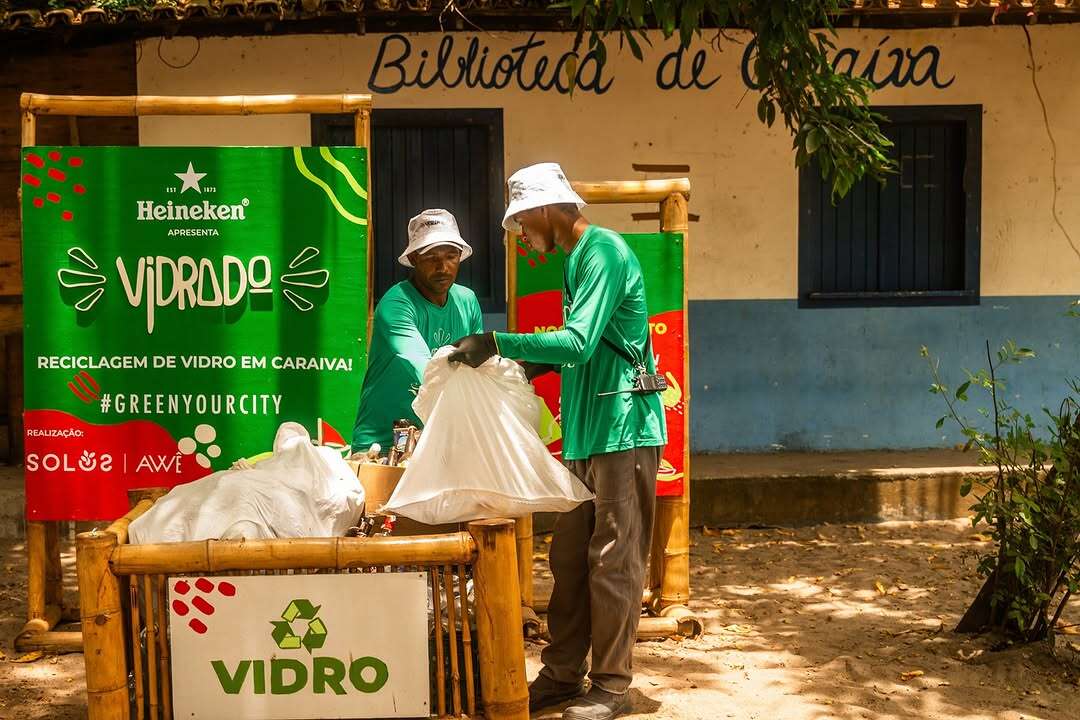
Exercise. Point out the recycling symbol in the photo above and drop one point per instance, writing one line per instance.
(286, 631)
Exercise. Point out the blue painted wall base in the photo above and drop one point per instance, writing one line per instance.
(767, 375)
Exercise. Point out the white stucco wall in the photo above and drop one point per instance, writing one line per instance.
(743, 175)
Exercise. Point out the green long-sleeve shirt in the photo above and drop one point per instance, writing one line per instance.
(603, 296)
(407, 330)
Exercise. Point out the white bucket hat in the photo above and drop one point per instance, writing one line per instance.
(431, 228)
(536, 186)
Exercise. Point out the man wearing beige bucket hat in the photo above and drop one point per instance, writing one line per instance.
(613, 435)
(413, 319)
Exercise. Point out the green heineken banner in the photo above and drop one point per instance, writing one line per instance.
(539, 309)
(180, 303)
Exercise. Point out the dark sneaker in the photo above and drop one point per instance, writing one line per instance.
(544, 692)
(598, 705)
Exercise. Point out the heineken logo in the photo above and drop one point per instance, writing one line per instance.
(300, 617)
(150, 210)
(190, 179)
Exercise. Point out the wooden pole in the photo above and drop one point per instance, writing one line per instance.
(103, 630)
(671, 533)
(151, 645)
(452, 649)
(523, 529)
(207, 556)
(654, 628)
(362, 130)
(524, 525)
(35, 557)
(632, 191)
(136, 648)
(53, 642)
(504, 692)
(54, 573)
(440, 663)
(135, 105)
(466, 643)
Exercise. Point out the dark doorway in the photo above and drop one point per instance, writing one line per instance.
(451, 159)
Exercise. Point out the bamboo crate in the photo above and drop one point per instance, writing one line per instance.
(478, 669)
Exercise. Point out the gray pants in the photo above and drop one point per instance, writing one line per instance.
(598, 555)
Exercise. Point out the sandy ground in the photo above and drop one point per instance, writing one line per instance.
(797, 630)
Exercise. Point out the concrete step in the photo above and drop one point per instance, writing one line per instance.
(793, 489)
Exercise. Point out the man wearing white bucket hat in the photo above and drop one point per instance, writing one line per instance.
(413, 319)
(613, 435)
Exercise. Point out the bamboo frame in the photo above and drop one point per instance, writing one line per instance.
(452, 648)
(466, 643)
(498, 621)
(45, 579)
(668, 588)
(489, 547)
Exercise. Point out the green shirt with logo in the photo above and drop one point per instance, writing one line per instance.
(407, 330)
(603, 306)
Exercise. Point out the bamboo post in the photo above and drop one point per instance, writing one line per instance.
(54, 574)
(136, 647)
(164, 667)
(35, 556)
(524, 525)
(504, 693)
(362, 130)
(523, 530)
(466, 643)
(103, 630)
(151, 644)
(452, 649)
(671, 530)
(440, 667)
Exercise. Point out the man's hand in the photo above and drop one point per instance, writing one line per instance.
(473, 350)
(535, 370)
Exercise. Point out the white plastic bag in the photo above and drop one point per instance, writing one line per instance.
(480, 455)
(299, 491)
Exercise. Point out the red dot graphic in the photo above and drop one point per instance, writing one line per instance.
(31, 180)
(543, 258)
(202, 606)
(197, 625)
(35, 160)
(57, 175)
(180, 607)
(38, 202)
(66, 215)
(54, 156)
(75, 161)
(181, 587)
(532, 263)
(79, 189)
(52, 197)
(204, 585)
(226, 588)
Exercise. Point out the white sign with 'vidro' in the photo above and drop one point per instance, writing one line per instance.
(300, 646)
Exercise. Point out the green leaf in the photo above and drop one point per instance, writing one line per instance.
(961, 392)
(635, 48)
(940, 422)
(813, 140)
(762, 108)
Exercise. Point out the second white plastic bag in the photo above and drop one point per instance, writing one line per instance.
(480, 455)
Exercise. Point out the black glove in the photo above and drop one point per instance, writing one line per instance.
(535, 370)
(474, 350)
